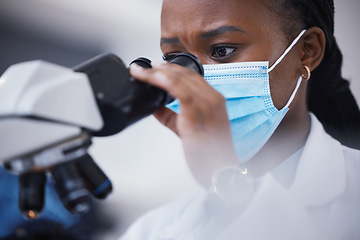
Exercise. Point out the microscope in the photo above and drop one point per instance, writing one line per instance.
(50, 113)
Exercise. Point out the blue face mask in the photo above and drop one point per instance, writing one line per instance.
(252, 114)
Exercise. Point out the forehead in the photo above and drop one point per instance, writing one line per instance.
(189, 16)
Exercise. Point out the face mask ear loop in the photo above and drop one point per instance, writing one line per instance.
(287, 50)
(294, 93)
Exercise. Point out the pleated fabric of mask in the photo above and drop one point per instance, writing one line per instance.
(251, 111)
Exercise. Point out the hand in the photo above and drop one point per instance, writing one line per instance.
(202, 124)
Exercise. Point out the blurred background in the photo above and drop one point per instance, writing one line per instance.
(146, 173)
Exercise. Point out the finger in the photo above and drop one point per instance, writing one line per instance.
(198, 99)
(180, 82)
(167, 117)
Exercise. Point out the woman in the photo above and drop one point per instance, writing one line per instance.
(272, 171)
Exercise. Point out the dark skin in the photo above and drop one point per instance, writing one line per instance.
(223, 32)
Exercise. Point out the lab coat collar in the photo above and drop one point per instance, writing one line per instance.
(321, 173)
(188, 221)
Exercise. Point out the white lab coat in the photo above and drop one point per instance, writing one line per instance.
(322, 203)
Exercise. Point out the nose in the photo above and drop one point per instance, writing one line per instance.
(201, 57)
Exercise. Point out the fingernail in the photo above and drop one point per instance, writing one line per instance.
(135, 68)
(157, 64)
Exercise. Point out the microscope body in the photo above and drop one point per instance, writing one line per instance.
(46, 113)
(49, 114)
(43, 105)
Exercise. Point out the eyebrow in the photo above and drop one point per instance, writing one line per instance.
(209, 34)
(221, 30)
(169, 41)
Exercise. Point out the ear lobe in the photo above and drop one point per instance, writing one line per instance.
(314, 43)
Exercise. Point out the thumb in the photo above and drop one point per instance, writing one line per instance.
(167, 117)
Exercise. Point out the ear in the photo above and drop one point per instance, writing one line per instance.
(313, 48)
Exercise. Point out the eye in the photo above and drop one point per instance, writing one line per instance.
(222, 51)
(170, 56)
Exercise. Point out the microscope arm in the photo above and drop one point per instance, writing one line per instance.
(42, 104)
(47, 114)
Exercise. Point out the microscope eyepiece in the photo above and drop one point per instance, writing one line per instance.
(188, 60)
(143, 62)
(121, 99)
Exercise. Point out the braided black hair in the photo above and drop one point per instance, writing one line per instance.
(329, 96)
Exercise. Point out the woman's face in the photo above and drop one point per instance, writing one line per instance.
(231, 31)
